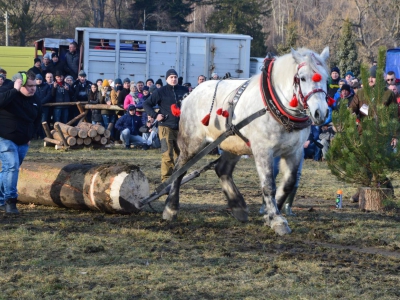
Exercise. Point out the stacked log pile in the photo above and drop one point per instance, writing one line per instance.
(64, 136)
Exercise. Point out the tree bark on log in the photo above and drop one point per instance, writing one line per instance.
(103, 106)
(53, 141)
(77, 118)
(68, 130)
(71, 141)
(64, 103)
(371, 199)
(100, 129)
(106, 188)
(107, 133)
(46, 129)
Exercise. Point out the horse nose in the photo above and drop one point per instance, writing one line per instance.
(316, 115)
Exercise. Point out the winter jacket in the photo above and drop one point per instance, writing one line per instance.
(60, 94)
(81, 90)
(128, 121)
(43, 93)
(71, 66)
(121, 98)
(333, 86)
(164, 97)
(7, 85)
(94, 98)
(20, 116)
(129, 99)
(103, 100)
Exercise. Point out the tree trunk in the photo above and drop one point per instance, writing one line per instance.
(371, 199)
(106, 188)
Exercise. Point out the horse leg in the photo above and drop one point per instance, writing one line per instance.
(187, 151)
(272, 216)
(224, 170)
(290, 180)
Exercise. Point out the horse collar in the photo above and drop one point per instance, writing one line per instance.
(278, 110)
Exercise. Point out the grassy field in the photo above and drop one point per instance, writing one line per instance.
(56, 253)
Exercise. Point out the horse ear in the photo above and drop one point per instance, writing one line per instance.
(296, 56)
(325, 54)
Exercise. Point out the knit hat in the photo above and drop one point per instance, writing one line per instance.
(170, 72)
(105, 83)
(69, 77)
(39, 77)
(335, 69)
(127, 80)
(47, 55)
(82, 73)
(145, 88)
(372, 72)
(117, 81)
(152, 88)
(159, 81)
(59, 73)
(349, 73)
(3, 76)
(36, 60)
(150, 80)
(131, 107)
(54, 55)
(345, 87)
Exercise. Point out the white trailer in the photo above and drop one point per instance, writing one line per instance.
(139, 55)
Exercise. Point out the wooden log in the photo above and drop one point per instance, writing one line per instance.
(57, 127)
(58, 147)
(371, 199)
(100, 129)
(88, 128)
(46, 129)
(106, 188)
(64, 103)
(82, 133)
(97, 138)
(53, 141)
(68, 130)
(77, 118)
(103, 106)
(107, 133)
(87, 141)
(79, 141)
(110, 126)
(47, 144)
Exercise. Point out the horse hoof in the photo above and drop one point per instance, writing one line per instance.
(282, 229)
(169, 214)
(240, 214)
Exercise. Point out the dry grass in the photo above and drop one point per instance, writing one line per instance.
(55, 253)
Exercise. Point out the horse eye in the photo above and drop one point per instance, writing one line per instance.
(303, 79)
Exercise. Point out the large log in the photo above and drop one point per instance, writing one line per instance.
(64, 103)
(88, 127)
(106, 188)
(57, 127)
(68, 130)
(53, 141)
(371, 199)
(103, 106)
(100, 129)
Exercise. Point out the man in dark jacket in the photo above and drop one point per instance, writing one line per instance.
(43, 93)
(129, 125)
(20, 115)
(71, 66)
(37, 67)
(168, 98)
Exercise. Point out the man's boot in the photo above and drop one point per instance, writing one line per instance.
(11, 206)
(287, 206)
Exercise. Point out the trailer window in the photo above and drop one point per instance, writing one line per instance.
(101, 44)
(133, 45)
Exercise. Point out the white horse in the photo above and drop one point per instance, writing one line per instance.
(299, 82)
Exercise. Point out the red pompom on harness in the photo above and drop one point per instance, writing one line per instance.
(316, 77)
(294, 102)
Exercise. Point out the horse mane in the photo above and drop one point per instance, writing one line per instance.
(313, 60)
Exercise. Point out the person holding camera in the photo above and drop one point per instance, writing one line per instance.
(168, 98)
(150, 133)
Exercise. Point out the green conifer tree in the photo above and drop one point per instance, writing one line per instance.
(366, 158)
(347, 57)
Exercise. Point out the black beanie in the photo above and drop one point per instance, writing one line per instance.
(345, 87)
(159, 81)
(372, 72)
(170, 72)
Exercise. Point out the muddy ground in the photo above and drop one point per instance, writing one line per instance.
(57, 253)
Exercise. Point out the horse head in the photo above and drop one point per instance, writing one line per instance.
(310, 83)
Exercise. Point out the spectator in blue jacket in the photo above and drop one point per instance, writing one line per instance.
(129, 125)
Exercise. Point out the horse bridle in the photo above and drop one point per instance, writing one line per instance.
(297, 86)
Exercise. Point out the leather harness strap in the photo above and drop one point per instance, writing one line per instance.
(275, 106)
